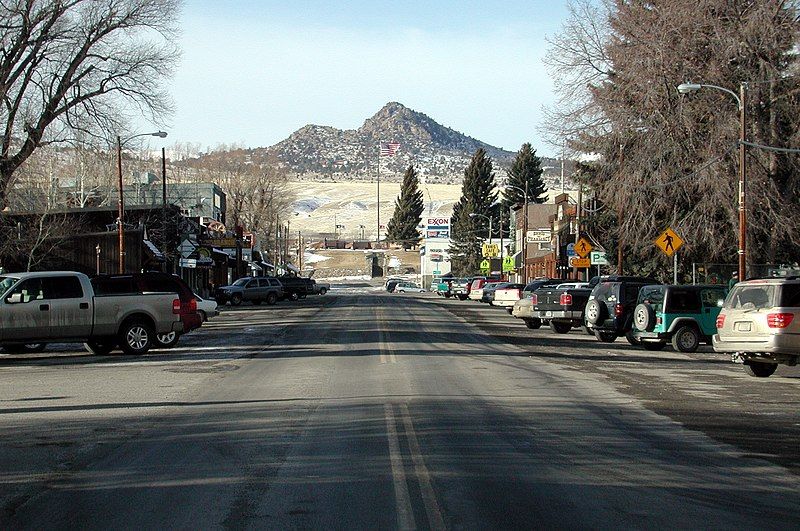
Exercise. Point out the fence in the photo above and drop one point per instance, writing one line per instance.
(703, 273)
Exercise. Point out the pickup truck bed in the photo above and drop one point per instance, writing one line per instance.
(562, 308)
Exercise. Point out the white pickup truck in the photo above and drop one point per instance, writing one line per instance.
(62, 307)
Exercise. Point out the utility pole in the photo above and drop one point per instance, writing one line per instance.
(620, 243)
(742, 183)
(164, 207)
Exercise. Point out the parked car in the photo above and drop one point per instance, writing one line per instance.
(477, 287)
(561, 306)
(683, 315)
(408, 287)
(155, 282)
(506, 296)
(251, 289)
(459, 287)
(63, 307)
(321, 288)
(759, 325)
(609, 311)
(207, 308)
(435, 284)
(443, 288)
(391, 284)
(523, 308)
(490, 287)
(295, 287)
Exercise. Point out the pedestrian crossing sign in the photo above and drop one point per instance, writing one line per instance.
(669, 242)
(583, 247)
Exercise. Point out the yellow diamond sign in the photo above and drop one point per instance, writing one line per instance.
(583, 247)
(669, 242)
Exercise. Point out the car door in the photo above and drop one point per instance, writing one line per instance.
(26, 312)
(70, 307)
(712, 300)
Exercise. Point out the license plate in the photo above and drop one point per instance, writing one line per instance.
(744, 326)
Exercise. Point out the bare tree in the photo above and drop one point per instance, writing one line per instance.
(74, 64)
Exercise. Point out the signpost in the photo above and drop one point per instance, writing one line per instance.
(580, 263)
(438, 228)
(539, 236)
(669, 242)
(583, 247)
(598, 258)
(508, 264)
(491, 250)
(485, 266)
(571, 249)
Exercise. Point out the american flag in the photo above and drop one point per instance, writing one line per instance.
(390, 148)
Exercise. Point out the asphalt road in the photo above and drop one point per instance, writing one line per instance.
(367, 410)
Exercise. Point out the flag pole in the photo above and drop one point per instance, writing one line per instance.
(378, 237)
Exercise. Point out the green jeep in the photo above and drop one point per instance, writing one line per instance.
(684, 315)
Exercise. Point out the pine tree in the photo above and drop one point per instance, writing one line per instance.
(477, 197)
(408, 207)
(526, 168)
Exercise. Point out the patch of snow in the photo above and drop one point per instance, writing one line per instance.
(309, 205)
(311, 258)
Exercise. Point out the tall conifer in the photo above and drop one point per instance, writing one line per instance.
(408, 207)
(526, 168)
(477, 197)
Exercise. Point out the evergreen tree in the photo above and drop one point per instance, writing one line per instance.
(408, 207)
(477, 197)
(526, 168)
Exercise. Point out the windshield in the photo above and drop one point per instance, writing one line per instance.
(6, 283)
(241, 282)
(751, 297)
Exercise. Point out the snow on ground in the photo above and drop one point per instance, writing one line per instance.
(311, 258)
(308, 205)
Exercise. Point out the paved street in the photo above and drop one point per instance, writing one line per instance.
(362, 409)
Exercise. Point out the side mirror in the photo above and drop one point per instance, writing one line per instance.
(14, 298)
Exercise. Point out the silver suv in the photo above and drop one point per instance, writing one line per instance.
(759, 325)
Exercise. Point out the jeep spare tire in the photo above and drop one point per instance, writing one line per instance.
(644, 317)
(595, 311)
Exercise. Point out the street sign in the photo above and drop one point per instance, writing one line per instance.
(583, 247)
(508, 263)
(485, 265)
(580, 263)
(437, 272)
(539, 236)
(491, 250)
(571, 249)
(598, 258)
(669, 242)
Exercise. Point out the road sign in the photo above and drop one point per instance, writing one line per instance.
(508, 263)
(437, 272)
(583, 247)
(485, 265)
(571, 249)
(491, 250)
(574, 261)
(598, 258)
(539, 236)
(669, 242)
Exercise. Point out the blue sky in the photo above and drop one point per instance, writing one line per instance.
(253, 72)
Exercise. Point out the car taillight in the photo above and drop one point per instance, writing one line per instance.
(566, 299)
(720, 322)
(779, 320)
(176, 306)
(534, 299)
(619, 310)
(193, 305)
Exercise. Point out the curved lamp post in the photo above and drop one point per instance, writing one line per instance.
(525, 227)
(121, 203)
(685, 88)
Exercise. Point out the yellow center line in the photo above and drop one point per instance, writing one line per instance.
(405, 514)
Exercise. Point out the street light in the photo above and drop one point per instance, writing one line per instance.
(525, 227)
(685, 88)
(121, 205)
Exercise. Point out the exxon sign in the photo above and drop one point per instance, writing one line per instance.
(438, 228)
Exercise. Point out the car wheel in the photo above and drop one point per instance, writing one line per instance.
(168, 340)
(595, 311)
(632, 339)
(323, 291)
(644, 317)
(100, 347)
(560, 328)
(236, 299)
(533, 323)
(135, 337)
(462, 297)
(760, 369)
(605, 337)
(653, 345)
(686, 339)
(24, 348)
(272, 298)
(509, 310)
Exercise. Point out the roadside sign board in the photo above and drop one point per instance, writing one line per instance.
(437, 272)
(437, 228)
(539, 236)
(669, 242)
(571, 249)
(598, 258)
(485, 265)
(575, 261)
(491, 250)
(583, 247)
(508, 263)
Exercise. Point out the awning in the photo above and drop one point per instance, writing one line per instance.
(292, 268)
(517, 260)
(153, 251)
(255, 267)
(266, 265)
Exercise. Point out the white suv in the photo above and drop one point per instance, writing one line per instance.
(760, 325)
